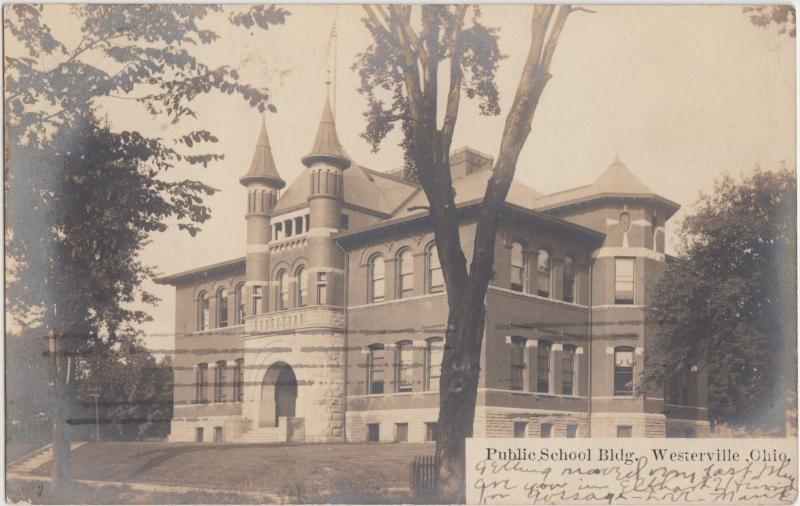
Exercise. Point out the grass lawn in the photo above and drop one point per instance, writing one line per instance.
(300, 471)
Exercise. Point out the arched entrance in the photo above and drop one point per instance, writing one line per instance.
(278, 394)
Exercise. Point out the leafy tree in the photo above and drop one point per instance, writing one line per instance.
(727, 305)
(783, 16)
(134, 391)
(83, 199)
(411, 49)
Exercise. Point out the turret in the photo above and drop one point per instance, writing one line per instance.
(328, 161)
(263, 183)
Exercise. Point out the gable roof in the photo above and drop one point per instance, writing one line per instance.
(472, 187)
(362, 188)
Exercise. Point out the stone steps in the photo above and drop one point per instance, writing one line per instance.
(261, 435)
(32, 461)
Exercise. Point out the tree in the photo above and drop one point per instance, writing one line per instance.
(783, 16)
(400, 76)
(728, 302)
(82, 199)
(134, 391)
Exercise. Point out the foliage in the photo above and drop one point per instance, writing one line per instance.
(383, 68)
(728, 302)
(134, 389)
(82, 199)
(783, 16)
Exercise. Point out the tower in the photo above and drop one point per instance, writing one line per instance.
(328, 161)
(263, 183)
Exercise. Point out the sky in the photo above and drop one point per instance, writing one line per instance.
(682, 94)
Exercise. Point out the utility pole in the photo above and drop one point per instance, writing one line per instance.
(96, 396)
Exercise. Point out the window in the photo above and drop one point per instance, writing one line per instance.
(202, 311)
(568, 370)
(222, 308)
(435, 278)
(623, 370)
(256, 300)
(308, 222)
(377, 279)
(623, 281)
(301, 277)
(287, 226)
(201, 383)
(517, 267)
(690, 433)
(572, 431)
(373, 432)
(655, 230)
(198, 435)
(238, 380)
(433, 363)
(283, 290)
(520, 429)
(298, 225)
(278, 231)
(375, 371)
(345, 222)
(217, 434)
(517, 363)
(543, 367)
(401, 433)
(405, 274)
(219, 381)
(405, 372)
(546, 430)
(322, 288)
(569, 279)
(239, 296)
(672, 432)
(543, 274)
(431, 431)
(624, 431)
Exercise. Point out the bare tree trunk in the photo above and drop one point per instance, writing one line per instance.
(61, 445)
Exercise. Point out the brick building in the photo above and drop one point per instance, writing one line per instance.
(330, 327)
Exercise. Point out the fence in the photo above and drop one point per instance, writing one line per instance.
(424, 476)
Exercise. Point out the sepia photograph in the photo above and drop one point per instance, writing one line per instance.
(393, 254)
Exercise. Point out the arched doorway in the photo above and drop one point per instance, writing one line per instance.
(278, 394)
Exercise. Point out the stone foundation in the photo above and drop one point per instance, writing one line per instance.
(496, 422)
(642, 424)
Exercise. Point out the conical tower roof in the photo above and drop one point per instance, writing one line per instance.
(327, 147)
(262, 168)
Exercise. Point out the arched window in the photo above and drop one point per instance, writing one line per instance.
(375, 366)
(543, 366)
(377, 279)
(543, 274)
(222, 308)
(301, 279)
(283, 290)
(568, 370)
(433, 363)
(623, 370)
(569, 279)
(517, 267)
(435, 278)
(405, 274)
(239, 301)
(202, 311)
(404, 364)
